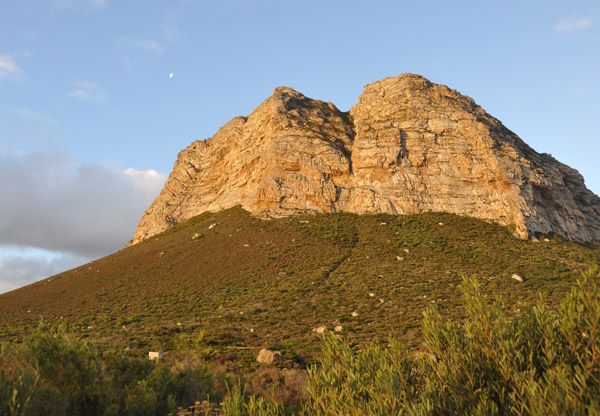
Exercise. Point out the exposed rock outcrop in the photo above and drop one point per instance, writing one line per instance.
(408, 146)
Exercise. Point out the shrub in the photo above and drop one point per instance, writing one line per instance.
(238, 404)
(53, 373)
(535, 363)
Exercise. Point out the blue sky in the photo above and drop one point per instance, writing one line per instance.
(91, 123)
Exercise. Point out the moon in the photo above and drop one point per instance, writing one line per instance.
(171, 75)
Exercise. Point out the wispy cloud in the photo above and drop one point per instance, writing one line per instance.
(88, 91)
(148, 45)
(78, 4)
(30, 128)
(8, 68)
(136, 52)
(139, 44)
(99, 3)
(170, 27)
(571, 25)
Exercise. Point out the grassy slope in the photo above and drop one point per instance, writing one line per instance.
(285, 277)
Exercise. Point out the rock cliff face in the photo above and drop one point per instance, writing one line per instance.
(407, 146)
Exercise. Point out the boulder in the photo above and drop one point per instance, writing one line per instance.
(268, 357)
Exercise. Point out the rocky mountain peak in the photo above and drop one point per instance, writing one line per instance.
(407, 146)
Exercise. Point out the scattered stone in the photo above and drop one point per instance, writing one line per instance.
(321, 330)
(153, 355)
(179, 324)
(196, 236)
(372, 294)
(210, 227)
(355, 314)
(440, 223)
(517, 278)
(338, 328)
(406, 250)
(252, 330)
(383, 223)
(246, 245)
(381, 300)
(546, 240)
(399, 258)
(268, 357)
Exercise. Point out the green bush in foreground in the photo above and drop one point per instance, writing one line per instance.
(536, 363)
(53, 373)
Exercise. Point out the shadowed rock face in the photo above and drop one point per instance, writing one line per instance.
(408, 146)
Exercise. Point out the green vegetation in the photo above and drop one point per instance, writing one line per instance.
(537, 362)
(210, 297)
(53, 373)
(248, 283)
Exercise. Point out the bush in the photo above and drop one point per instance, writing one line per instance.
(532, 362)
(53, 373)
(535, 363)
(238, 404)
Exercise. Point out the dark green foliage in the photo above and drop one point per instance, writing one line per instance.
(535, 363)
(374, 381)
(532, 362)
(53, 373)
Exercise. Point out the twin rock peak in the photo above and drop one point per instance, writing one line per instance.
(408, 146)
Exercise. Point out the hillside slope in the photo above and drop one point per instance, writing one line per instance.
(228, 281)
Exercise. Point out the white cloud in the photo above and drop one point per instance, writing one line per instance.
(146, 181)
(56, 214)
(8, 68)
(571, 25)
(52, 203)
(88, 91)
(22, 268)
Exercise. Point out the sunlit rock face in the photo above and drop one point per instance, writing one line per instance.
(407, 146)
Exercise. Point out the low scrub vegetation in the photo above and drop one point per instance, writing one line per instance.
(52, 373)
(536, 361)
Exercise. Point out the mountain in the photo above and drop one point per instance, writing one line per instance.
(408, 146)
